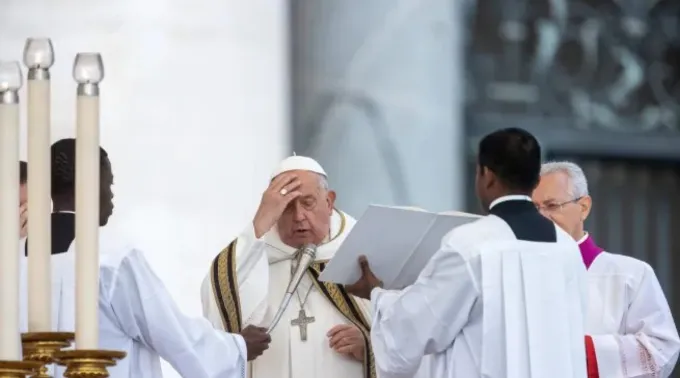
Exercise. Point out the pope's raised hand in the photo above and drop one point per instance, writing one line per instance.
(257, 341)
(281, 191)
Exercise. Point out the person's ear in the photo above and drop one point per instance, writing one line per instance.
(585, 204)
(331, 199)
(488, 177)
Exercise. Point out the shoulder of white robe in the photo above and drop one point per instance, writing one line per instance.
(466, 237)
(629, 266)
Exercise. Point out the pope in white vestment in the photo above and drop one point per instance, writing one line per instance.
(630, 327)
(324, 332)
(502, 298)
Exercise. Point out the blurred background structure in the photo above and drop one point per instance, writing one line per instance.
(598, 81)
(376, 96)
(390, 96)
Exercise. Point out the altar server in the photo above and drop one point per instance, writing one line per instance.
(502, 298)
(136, 313)
(631, 332)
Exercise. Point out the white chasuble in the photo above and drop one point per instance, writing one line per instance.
(629, 319)
(245, 286)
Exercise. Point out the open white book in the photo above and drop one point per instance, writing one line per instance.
(397, 241)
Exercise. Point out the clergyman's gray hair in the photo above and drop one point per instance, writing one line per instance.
(578, 184)
(323, 182)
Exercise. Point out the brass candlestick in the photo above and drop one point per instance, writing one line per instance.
(18, 369)
(40, 347)
(88, 363)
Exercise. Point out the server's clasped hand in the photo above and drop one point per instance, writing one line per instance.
(366, 283)
(257, 341)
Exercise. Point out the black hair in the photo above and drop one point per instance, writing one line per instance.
(514, 155)
(23, 172)
(63, 158)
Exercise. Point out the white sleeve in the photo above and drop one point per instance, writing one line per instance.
(249, 250)
(424, 318)
(146, 312)
(650, 344)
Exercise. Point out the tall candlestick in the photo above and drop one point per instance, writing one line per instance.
(10, 83)
(38, 58)
(88, 71)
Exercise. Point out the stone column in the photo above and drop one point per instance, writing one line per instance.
(378, 99)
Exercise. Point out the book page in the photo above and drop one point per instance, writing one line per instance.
(387, 236)
(428, 246)
(398, 242)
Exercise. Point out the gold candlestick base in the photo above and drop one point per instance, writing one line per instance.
(88, 363)
(40, 347)
(18, 369)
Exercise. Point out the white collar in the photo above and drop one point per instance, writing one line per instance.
(341, 223)
(512, 197)
(64, 212)
(580, 241)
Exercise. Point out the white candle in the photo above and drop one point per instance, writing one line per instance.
(10, 83)
(38, 58)
(88, 71)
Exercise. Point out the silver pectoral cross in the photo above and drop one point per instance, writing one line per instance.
(301, 322)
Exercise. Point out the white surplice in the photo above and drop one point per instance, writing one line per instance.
(138, 316)
(486, 305)
(263, 269)
(629, 319)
